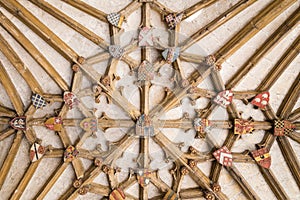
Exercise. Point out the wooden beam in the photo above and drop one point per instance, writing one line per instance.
(290, 99)
(6, 112)
(51, 181)
(273, 184)
(196, 7)
(10, 158)
(99, 189)
(267, 46)
(283, 63)
(25, 180)
(11, 91)
(238, 177)
(214, 24)
(15, 60)
(295, 115)
(33, 51)
(70, 22)
(290, 157)
(84, 7)
(40, 29)
(269, 13)
(6, 133)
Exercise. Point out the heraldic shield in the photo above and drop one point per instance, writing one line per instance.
(146, 37)
(261, 100)
(89, 125)
(201, 125)
(38, 101)
(144, 176)
(54, 123)
(144, 127)
(171, 54)
(115, 19)
(170, 195)
(70, 100)
(145, 71)
(70, 153)
(116, 51)
(117, 194)
(173, 19)
(242, 126)
(283, 127)
(224, 98)
(18, 123)
(36, 152)
(223, 156)
(262, 157)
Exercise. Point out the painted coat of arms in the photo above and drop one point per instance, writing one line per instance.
(18, 123)
(262, 157)
(224, 98)
(54, 123)
(36, 152)
(223, 156)
(144, 126)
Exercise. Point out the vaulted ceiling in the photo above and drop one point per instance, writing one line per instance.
(149, 99)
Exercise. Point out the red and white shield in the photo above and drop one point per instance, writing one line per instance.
(223, 156)
(283, 127)
(70, 100)
(36, 152)
(224, 98)
(261, 100)
(242, 126)
(146, 37)
(54, 123)
(18, 123)
(262, 157)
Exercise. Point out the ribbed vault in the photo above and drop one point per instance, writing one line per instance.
(149, 99)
